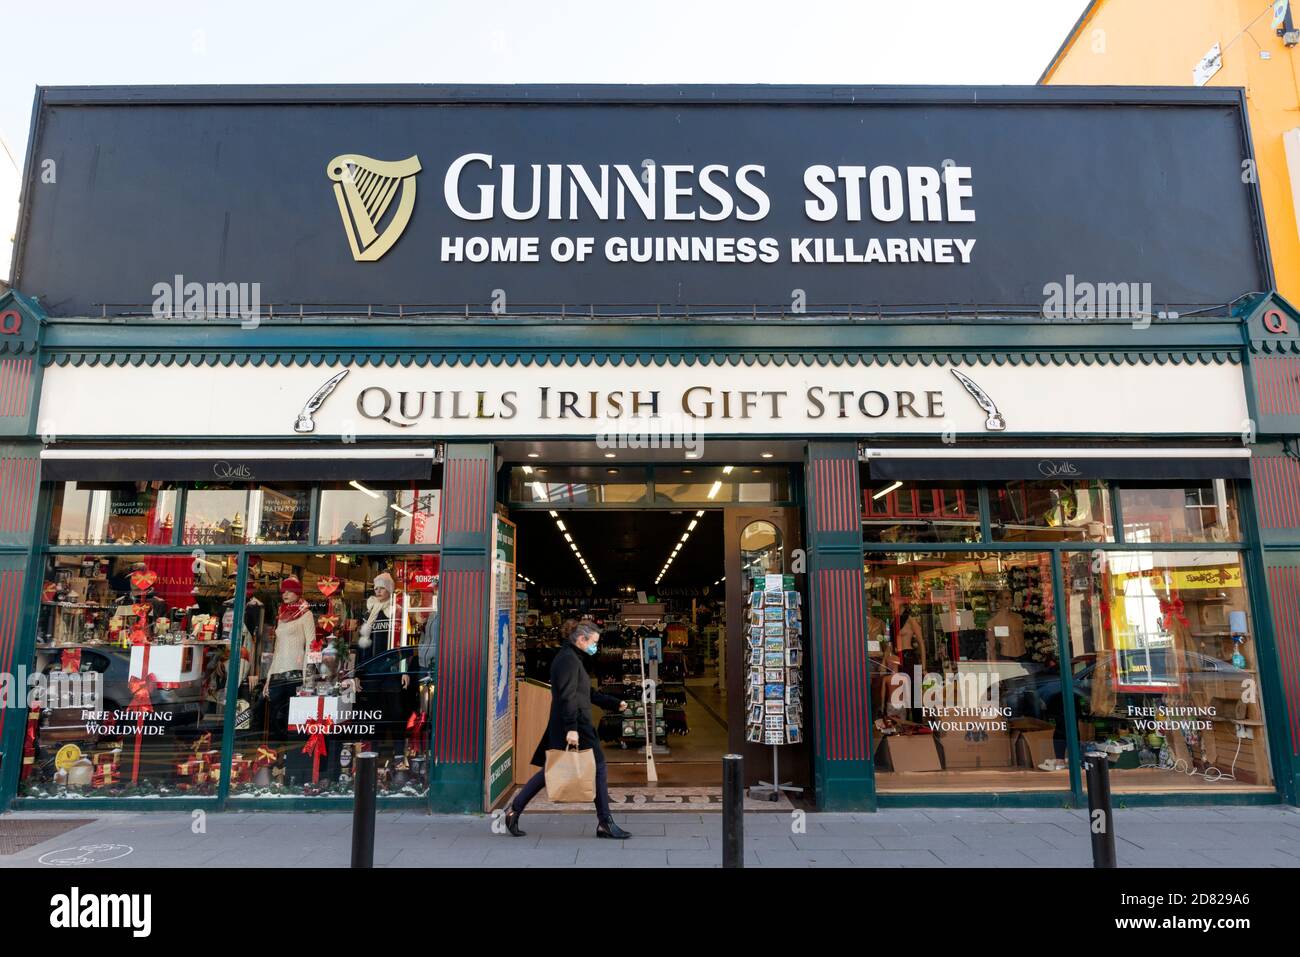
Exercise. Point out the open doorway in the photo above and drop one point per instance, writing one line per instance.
(654, 581)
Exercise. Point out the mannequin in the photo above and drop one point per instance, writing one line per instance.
(294, 629)
(911, 642)
(1005, 632)
(377, 631)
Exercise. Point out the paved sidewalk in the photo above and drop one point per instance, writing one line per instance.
(1157, 837)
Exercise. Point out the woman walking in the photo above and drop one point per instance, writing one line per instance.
(570, 725)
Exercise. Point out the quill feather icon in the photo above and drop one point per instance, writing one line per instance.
(305, 422)
(995, 422)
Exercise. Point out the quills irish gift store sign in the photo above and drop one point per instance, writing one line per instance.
(545, 400)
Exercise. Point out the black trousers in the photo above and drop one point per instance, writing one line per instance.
(538, 781)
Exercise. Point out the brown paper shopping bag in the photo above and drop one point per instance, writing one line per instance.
(571, 776)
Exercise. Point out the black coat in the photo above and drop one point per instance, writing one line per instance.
(571, 700)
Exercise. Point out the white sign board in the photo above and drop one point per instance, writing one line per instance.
(408, 402)
(1210, 64)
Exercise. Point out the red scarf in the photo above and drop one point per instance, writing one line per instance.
(292, 611)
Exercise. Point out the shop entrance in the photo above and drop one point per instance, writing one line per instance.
(654, 581)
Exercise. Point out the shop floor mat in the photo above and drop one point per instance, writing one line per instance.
(18, 834)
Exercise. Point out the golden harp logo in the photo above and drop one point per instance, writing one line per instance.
(365, 189)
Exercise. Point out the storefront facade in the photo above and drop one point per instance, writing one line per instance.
(1030, 410)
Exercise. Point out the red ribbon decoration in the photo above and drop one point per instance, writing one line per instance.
(1170, 609)
(415, 728)
(139, 688)
(315, 745)
(29, 743)
(70, 661)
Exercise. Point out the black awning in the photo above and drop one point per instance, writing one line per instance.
(235, 467)
(1062, 467)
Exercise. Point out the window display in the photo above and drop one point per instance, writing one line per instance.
(345, 660)
(113, 513)
(1203, 512)
(960, 646)
(132, 659)
(1165, 669)
(379, 514)
(246, 514)
(1056, 511)
(929, 512)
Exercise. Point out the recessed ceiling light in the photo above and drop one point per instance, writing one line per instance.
(611, 471)
(534, 455)
(560, 523)
(726, 469)
(611, 455)
(691, 527)
(688, 471)
(528, 470)
(717, 487)
(554, 514)
(568, 537)
(700, 513)
(766, 455)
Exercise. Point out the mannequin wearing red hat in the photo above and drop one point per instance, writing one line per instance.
(294, 630)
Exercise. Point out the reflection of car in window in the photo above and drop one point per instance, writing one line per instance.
(1041, 694)
(113, 670)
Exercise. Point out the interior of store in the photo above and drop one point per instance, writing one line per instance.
(653, 581)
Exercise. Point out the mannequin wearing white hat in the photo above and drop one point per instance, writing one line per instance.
(376, 632)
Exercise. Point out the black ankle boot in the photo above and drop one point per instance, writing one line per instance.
(611, 830)
(512, 822)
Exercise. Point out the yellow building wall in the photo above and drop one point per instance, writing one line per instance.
(1157, 42)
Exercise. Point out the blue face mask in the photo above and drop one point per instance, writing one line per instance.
(591, 648)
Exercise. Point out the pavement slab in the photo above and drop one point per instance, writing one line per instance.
(1220, 837)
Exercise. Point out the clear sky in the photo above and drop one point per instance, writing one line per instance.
(77, 42)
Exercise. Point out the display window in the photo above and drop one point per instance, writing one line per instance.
(1200, 512)
(378, 513)
(961, 645)
(113, 513)
(1054, 511)
(907, 512)
(344, 651)
(1165, 669)
(133, 655)
(249, 514)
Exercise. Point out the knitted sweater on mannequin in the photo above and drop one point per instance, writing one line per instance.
(291, 641)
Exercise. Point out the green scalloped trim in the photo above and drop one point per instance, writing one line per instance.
(674, 358)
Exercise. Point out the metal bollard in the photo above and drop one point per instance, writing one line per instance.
(733, 810)
(1101, 816)
(363, 810)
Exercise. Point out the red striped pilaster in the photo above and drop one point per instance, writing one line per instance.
(1284, 593)
(11, 592)
(15, 388)
(1276, 480)
(1277, 383)
(19, 475)
(465, 491)
(461, 653)
(846, 681)
(835, 494)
